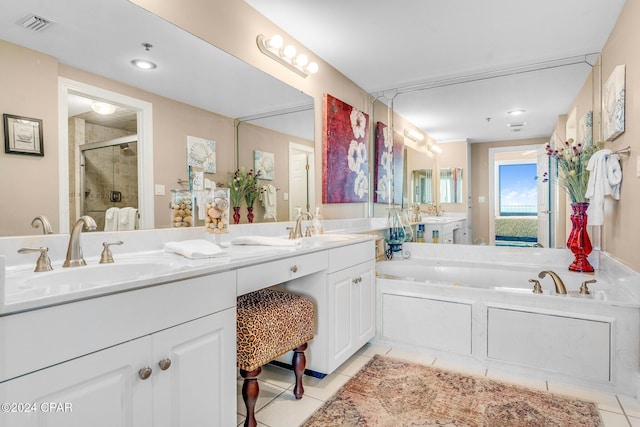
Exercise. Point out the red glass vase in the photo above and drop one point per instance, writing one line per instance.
(250, 214)
(578, 240)
(236, 214)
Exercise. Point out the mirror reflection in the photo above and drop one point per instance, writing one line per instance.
(196, 90)
(450, 185)
(422, 184)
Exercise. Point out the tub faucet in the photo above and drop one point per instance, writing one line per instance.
(297, 232)
(74, 251)
(557, 281)
(46, 226)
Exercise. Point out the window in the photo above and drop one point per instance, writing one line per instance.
(518, 191)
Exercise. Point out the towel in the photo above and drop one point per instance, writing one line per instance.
(269, 201)
(605, 176)
(111, 219)
(194, 249)
(264, 241)
(127, 219)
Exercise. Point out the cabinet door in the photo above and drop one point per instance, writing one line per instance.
(197, 386)
(102, 389)
(365, 298)
(341, 317)
(351, 311)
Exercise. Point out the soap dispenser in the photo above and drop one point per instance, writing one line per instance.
(318, 225)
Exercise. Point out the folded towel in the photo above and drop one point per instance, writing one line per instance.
(195, 249)
(111, 219)
(264, 241)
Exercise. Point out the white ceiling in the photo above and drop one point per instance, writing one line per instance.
(102, 37)
(472, 60)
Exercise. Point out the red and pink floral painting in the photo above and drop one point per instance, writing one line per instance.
(389, 166)
(345, 168)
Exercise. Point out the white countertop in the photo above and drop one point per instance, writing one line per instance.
(23, 289)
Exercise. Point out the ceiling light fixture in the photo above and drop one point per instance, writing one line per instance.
(286, 55)
(435, 149)
(144, 64)
(413, 135)
(103, 108)
(516, 112)
(516, 125)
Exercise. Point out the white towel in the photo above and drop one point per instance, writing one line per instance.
(605, 176)
(264, 241)
(127, 219)
(111, 217)
(195, 249)
(269, 200)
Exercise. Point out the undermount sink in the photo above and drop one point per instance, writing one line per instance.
(320, 239)
(62, 283)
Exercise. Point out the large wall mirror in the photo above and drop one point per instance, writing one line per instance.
(196, 90)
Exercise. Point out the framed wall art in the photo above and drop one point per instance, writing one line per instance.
(264, 164)
(389, 166)
(23, 135)
(613, 104)
(345, 136)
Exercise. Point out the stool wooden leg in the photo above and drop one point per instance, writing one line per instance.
(250, 390)
(299, 363)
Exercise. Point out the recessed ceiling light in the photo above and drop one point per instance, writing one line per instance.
(103, 108)
(516, 112)
(144, 64)
(516, 125)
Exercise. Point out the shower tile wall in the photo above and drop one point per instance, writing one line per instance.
(106, 169)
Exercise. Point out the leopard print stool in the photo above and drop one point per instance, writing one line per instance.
(269, 324)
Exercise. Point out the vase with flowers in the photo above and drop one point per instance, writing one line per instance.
(572, 158)
(251, 191)
(236, 193)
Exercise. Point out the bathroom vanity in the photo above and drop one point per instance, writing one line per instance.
(160, 350)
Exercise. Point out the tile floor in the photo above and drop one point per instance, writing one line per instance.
(277, 407)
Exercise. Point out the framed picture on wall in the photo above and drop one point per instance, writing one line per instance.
(22, 135)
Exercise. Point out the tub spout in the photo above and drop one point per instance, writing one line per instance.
(557, 281)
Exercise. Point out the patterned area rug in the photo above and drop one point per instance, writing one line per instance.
(394, 393)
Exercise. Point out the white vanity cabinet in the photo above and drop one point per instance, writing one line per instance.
(176, 366)
(345, 298)
(448, 232)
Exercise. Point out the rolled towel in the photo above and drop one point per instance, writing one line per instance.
(195, 249)
(264, 241)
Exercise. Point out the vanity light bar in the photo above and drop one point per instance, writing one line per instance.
(413, 135)
(287, 55)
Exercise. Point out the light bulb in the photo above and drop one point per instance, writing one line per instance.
(312, 67)
(289, 51)
(275, 42)
(302, 60)
(144, 64)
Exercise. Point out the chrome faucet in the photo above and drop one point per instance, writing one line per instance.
(46, 226)
(557, 281)
(74, 251)
(297, 231)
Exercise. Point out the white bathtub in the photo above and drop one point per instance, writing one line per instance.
(486, 312)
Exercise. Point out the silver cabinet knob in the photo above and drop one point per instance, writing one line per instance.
(164, 364)
(294, 269)
(357, 279)
(145, 373)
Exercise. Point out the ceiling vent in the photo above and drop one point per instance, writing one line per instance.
(36, 23)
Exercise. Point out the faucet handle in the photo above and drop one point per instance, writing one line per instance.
(106, 257)
(43, 263)
(308, 232)
(584, 290)
(291, 235)
(537, 289)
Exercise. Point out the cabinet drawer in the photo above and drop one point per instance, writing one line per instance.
(271, 273)
(346, 256)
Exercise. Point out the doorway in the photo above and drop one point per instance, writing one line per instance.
(301, 178)
(69, 165)
(519, 211)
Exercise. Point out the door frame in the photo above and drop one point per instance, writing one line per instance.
(145, 147)
(492, 182)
